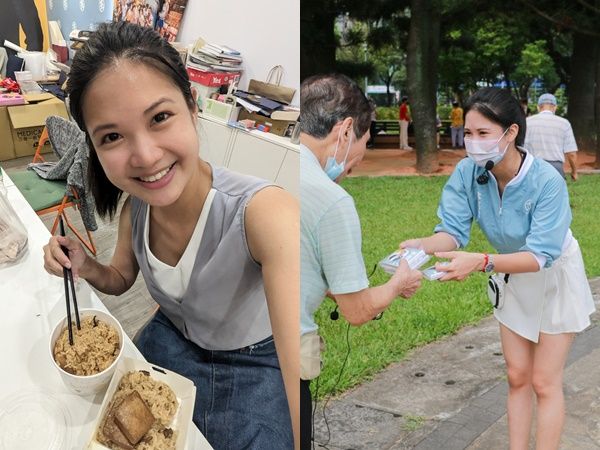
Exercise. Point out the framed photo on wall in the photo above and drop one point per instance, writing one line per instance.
(142, 12)
(169, 18)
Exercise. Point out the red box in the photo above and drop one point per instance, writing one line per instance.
(211, 79)
(62, 52)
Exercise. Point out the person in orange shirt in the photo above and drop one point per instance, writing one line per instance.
(404, 118)
(457, 125)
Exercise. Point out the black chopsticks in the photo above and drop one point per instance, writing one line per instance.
(68, 277)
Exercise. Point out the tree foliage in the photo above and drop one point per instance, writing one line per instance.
(515, 42)
(535, 63)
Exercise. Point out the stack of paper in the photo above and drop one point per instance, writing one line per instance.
(214, 58)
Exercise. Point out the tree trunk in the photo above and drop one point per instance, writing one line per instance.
(421, 62)
(524, 89)
(597, 108)
(317, 40)
(580, 89)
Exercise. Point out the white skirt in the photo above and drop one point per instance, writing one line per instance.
(553, 301)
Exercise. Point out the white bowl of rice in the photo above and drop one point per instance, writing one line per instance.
(87, 366)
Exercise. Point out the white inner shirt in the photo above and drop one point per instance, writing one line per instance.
(174, 280)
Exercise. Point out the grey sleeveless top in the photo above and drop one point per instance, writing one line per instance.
(224, 307)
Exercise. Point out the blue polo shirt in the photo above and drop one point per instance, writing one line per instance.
(533, 214)
(330, 240)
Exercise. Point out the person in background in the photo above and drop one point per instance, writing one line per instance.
(222, 267)
(550, 137)
(438, 129)
(522, 206)
(456, 125)
(372, 126)
(404, 119)
(335, 118)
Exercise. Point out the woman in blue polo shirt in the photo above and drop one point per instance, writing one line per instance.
(522, 206)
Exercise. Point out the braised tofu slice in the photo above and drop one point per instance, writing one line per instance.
(133, 417)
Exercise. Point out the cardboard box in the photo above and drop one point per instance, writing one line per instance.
(278, 127)
(184, 390)
(21, 126)
(7, 150)
(212, 79)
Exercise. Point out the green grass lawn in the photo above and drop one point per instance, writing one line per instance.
(393, 209)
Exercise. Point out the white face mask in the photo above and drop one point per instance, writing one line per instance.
(483, 150)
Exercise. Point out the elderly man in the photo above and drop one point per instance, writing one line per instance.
(550, 137)
(335, 118)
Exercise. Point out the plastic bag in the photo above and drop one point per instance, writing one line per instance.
(13, 236)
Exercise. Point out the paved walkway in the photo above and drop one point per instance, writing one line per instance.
(451, 395)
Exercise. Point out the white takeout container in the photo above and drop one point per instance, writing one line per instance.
(90, 384)
(184, 390)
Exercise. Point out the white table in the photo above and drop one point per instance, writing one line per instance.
(31, 303)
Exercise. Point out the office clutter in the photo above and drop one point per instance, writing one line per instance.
(267, 104)
(214, 69)
(32, 66)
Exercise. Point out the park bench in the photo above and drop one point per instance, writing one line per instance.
(385, 134)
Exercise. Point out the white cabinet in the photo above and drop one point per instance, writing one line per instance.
(289, 174)
(264, 155)
(214, 141)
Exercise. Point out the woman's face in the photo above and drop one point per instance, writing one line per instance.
(143, 131)
(479, 127)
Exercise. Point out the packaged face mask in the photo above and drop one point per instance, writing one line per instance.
(431, 274)
(415, 258)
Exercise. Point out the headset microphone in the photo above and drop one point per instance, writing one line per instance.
(334, 315)
(484, 177)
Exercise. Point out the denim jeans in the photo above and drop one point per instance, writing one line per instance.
(240, 396)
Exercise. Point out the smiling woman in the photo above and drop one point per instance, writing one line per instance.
(191, 229)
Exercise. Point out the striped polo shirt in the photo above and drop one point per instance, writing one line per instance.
(549, 136)
(330, 240)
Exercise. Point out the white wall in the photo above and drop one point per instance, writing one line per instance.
(266, 32)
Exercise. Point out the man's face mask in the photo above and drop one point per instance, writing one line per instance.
(332, 168)
(483, 150)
